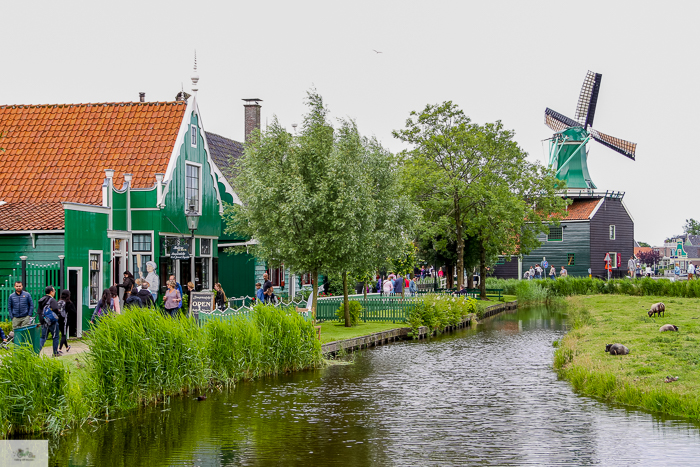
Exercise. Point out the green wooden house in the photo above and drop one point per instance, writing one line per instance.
(107, 187)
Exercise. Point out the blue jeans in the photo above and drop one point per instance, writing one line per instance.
(172, 312)
(53, 329)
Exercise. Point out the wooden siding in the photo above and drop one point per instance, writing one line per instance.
(48, 247)
(143, 199)
(237, 274)
(119, 211)
(576, 240)
(507, 270)
(611, 213)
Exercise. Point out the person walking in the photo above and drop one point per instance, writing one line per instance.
(104, 306)
(532, 273)
(422, 272)
(267, 285)
(538, 272)
(552, 272)
(172, 299)
(221, 301)
(563, 272)
(48, 310)
(178, 287)
(412, 289)
(20, 307)
(259, 295)
(388, 287)
(631, 267)
(128, 285)
(691, 271)
(398, 285)
(66, 310)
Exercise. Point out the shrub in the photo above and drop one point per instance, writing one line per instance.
(439, 311)
(355, 312)
(6, 327)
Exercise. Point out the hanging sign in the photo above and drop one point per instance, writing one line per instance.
(179, 252)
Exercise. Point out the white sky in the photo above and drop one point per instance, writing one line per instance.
(504, 60)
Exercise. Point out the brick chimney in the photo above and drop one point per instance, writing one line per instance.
(252, 115)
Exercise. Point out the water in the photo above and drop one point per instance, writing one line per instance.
(475, 397)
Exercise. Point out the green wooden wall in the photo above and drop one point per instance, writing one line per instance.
(576, 240)
(48, 247)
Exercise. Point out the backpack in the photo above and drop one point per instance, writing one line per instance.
(62, 309)
(133, 300)
(48, 315)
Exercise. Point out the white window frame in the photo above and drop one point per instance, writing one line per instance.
(100, 253)
(199, 201)
(612, 231)
(132, 253)
(193, 135)
(613, 259)
(211, 243)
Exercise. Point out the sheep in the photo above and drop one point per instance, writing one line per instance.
(657, 308)
(668, 327)
(617, 349)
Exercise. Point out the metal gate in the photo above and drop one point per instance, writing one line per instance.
(35, 276)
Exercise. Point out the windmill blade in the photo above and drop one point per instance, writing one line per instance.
(587, 100)
(557, 121)
(625, 148)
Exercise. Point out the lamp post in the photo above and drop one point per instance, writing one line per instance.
(192, 224)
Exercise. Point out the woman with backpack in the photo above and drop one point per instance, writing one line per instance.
(104, 306)
(66, 309)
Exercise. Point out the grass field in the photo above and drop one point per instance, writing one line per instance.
(637, 379)
(332, 331)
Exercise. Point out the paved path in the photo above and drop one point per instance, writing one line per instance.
(76, 347)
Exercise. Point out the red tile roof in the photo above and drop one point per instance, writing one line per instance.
(58, 153)
(31, 216)
(581, 209)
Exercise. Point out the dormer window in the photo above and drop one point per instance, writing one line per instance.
(193, 136)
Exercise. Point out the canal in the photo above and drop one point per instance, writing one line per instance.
(484, 396)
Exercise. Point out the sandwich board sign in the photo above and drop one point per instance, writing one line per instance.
(201, 302)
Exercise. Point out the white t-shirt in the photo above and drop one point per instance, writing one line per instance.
(691, 268)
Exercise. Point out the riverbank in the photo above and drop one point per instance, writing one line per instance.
(640, 378)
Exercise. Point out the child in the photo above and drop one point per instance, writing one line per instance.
(259, 293)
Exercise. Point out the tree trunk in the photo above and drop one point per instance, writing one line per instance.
(460, 244)
(470, 280)
(482, 270)
(346, 300)
(314, 287)
(449, 275)
(364, 289)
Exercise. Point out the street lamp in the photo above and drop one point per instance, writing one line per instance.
(192, 224)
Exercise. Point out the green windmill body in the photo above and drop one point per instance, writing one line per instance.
(568, 154)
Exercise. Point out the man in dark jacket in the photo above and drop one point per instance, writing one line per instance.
(21, 307)
(145, 295)
(47, 328)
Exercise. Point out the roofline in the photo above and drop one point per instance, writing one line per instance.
(627, 210)
(25, 232)
(595, 210)
(86, 207)
(104, 104)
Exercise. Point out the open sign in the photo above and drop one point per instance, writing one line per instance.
(201, 302)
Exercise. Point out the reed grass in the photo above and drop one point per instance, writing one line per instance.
(438, 311)
(141, 356)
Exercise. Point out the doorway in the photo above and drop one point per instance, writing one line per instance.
(75, 286)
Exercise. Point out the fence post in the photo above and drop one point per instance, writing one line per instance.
(61, 277)
(24, 271)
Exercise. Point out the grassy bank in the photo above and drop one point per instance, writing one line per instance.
(637, 379)
(141, 357)
(332, 331)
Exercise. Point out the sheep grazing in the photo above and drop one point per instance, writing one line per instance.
(668, 327)
(617, 349)
(657, 308)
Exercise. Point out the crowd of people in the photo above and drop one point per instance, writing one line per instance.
(539, 270)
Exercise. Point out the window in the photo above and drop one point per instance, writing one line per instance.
(192, 185)
(193, 136)
(612, 232)
(556, 234)
(306, 279)
(276, 275)
(205, 246)
(613, 260)
(501, 260)
(142, 249)
(570, 259)
(95, 278)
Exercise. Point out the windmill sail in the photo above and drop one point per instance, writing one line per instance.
(587, 100)
(557, 121)
(626, 148)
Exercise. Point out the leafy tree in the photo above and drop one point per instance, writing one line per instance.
(691, 227)
(644, 244)
(649, 257)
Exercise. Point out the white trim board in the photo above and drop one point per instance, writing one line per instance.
(86, 208)
(26, 232)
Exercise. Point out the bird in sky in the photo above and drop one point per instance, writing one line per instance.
(377, 51)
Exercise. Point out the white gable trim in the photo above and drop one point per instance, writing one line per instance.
(627, 210)
(86, 208)
(597, 206)
(227, 186)
(192, 107)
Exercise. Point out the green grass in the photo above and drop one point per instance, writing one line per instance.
(636, 379)
(332, 331)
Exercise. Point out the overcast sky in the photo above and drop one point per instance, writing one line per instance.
(495, 59)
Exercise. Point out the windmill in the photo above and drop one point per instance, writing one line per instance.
(567, 151)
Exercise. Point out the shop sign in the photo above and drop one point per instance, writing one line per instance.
(179, 252)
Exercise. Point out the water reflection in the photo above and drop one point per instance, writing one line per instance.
(479, 396)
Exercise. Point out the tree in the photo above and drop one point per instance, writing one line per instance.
(316, 201)
(650, 257)
(644, 244)
(691, 227)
